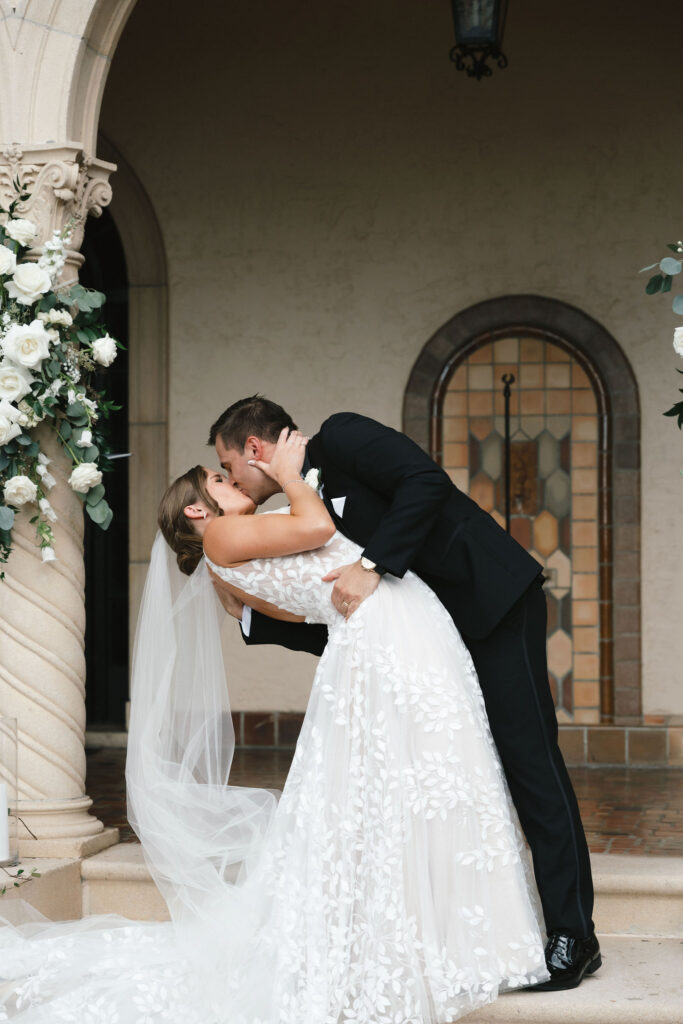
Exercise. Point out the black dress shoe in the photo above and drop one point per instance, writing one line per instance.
(568, 960)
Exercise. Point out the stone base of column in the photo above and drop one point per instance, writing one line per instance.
(63, 849)
(61, 828)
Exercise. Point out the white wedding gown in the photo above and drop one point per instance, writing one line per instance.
(391, 884)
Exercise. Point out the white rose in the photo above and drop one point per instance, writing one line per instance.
(104, 350)
(8, 260)
(43, 459)
(27, 345)
(22, 231)
(678, 341)
(18, 490)
(85, 440)
(9, 421)
(85, 476)
(48, 554)
(47, 510)
(28, 283)
(15, 381)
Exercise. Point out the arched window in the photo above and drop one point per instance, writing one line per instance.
(574, 455)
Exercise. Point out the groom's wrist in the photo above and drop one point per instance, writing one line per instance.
(370, 566)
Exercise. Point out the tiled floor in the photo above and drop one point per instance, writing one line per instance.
(624, 810)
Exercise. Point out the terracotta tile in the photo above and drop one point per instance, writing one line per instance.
(531, 350)
(531, 375)
(585, 506)
(500, 519)
(606, 746)
(586, 695)
(553, 609)
(646, 746)
(676, 746)
(585, 639)
(584, 533)
(461, 478)
(584, 454)
(483, 354)
(455, 456)
(559, 653)
(584, 481)
(584, 585)
(455, 404)
(258, 729)
(458, 381)
(557, 375)
(481, 403)
(481, 378)
(585, 559)
(481, 426)
(627, 675)
(579, 377)
(584, 428)
(585, 613)
(454, 428)
(552, 683)
(627, 707)
(627, 537)
(505, 368)
(627, 648)
(586, 667)
(289, 726)
(572, 744)
(626, 620)
(555, 354)
(583, 402)
(506, 350)
(532, 403)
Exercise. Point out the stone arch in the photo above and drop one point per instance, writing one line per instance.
(63, 52)
(145, 254)
(599, 354)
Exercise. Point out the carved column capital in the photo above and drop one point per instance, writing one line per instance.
(65, 185)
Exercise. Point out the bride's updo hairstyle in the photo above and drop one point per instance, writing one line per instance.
(179, 532)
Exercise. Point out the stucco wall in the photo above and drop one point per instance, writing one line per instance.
(330, 192)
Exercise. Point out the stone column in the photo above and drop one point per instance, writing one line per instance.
(42, 611)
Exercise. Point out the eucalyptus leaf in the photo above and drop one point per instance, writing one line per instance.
(106, 523)
(6, 517)
(65, 430)
(95, 494)
(670, 266)
(654, 284)
(677, 304)
(91, 454)
(4, 461)
(99, 512)
(24, 440)
(83, 336)
(75, 411)
(666, 287)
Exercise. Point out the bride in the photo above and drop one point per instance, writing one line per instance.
(389, 884)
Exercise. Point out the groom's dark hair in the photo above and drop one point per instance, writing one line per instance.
(256, 416)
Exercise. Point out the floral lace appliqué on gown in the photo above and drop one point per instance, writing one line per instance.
(392, 886)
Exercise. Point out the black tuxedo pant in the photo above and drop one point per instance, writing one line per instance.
(513, 675)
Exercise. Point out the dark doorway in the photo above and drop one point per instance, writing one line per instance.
(106, 552)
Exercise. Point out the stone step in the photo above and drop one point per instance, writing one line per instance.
(639, 983)
(117, 881)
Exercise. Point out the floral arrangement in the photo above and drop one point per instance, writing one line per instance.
(668, 268)
(51, 343)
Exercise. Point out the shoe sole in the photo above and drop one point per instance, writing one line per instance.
(559, 986)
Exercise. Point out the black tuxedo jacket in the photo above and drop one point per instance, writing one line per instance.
(407, 514)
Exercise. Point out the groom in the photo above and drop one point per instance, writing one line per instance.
(385, 494)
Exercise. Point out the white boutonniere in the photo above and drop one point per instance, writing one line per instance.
(312, 478)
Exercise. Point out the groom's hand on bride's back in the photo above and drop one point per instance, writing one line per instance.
(232, 604)
(353, 585)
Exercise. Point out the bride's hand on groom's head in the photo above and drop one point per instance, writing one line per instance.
(287, 459)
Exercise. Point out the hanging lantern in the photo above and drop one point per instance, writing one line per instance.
(479, 26)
